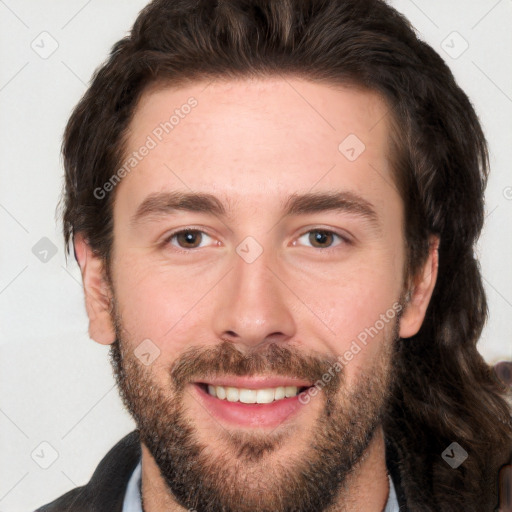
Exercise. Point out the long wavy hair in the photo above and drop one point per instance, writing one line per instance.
(446, 392)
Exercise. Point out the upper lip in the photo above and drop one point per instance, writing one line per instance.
(257, 382)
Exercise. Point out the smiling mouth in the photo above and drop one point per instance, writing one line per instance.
(253, 402)
(252, 396)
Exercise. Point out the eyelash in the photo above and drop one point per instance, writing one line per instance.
(343, 239)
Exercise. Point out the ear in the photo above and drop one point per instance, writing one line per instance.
(420, 292)
(97, 291)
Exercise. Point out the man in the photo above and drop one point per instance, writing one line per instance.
(274, 207)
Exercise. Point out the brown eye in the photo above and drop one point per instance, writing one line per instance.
(323, 238)
(188, 238)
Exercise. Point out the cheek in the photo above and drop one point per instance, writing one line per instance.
(361, 310)
(356, 296)
(366, 332)
(157, 305)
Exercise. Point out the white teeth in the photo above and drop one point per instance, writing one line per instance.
(248, 396)
(290, 391)
(279, 393)
(221, 392)
(232, 394)
(252, 396)
(265, 396)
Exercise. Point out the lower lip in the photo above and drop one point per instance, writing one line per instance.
(250, 415)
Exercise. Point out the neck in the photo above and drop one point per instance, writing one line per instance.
(366, 490)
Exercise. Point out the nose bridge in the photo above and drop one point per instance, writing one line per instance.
(253, 305)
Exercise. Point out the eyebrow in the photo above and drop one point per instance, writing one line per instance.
(166, 203)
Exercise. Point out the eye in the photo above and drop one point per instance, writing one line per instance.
(187, 238)
(192, 238)
(323, 238)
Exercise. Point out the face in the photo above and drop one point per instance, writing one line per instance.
(257, 283)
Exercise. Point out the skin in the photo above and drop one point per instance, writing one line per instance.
(252, 143)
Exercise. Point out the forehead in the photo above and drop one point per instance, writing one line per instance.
(297, 108)
(258, 137)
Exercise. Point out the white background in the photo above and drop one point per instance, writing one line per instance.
(56, 384)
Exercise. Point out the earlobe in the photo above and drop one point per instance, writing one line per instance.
(421, 293)
(98, 297)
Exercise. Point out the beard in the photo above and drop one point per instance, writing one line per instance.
(243, 471)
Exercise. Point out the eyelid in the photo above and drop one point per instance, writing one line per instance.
(344, 237)
(168, 237)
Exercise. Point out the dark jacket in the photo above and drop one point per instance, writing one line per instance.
(105, 491)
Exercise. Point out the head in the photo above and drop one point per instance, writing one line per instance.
(209, 148)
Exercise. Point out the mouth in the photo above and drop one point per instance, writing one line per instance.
(252, 396)
(252, 402)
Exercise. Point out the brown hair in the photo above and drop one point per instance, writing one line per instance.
(446, 390)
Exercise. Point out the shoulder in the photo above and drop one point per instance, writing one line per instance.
(106, 489)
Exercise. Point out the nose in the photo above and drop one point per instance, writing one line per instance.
(253, 308)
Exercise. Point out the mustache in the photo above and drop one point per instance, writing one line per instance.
(200, 363)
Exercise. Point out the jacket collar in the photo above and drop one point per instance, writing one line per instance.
(392, 463)
(107, 486)
(106, 489)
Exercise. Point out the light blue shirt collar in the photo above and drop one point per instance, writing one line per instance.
(132, 499)
(392, 503)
